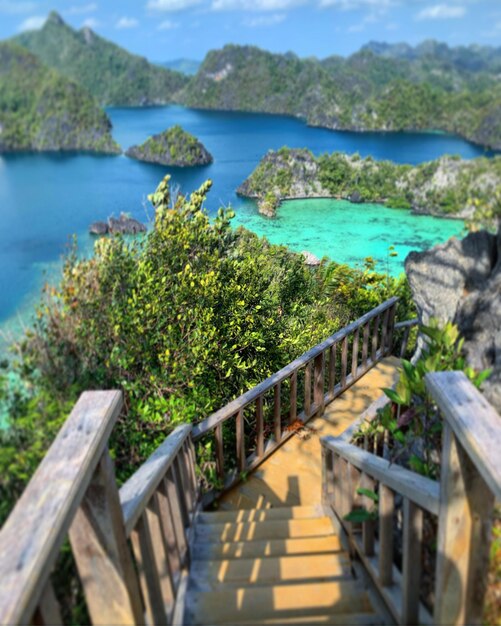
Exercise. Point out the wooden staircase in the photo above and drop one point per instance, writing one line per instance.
(272, 566)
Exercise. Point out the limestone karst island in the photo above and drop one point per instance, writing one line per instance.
(250, 312)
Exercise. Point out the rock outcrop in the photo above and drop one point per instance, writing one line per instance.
(460, 281)
(448, 186)
(123, 225)
(174, 147)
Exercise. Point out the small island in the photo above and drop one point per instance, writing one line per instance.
(174, 147)
(446, 187)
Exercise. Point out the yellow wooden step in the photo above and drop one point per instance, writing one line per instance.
(266, 570)
(274, 529)
(344, 619)
(261, 515)
(271, 547)
(278, 602)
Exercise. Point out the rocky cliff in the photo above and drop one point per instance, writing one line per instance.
(460, 281)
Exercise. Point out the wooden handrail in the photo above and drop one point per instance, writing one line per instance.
(421, 490)
(138, 490)
(295, 394)
(463, 501)
(232, 408)
(34, 532)
(473, 421)
(470, 480)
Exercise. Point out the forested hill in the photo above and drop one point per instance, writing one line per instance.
(366, 91)
(110, 73)
(42, 110)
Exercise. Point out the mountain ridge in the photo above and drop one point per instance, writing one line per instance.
(109, 72)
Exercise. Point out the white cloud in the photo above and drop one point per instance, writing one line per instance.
(126, 22)
(167, 25)
(353, 5)
(264, 20)
(254, 5)
(90, 22)
(441, 12)
(12, 7)
(81, 9)
(171, 5)
(35, 22)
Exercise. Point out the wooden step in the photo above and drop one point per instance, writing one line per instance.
(274, 529)
(261, 571)
(278, 602)
(343, 619)
(261, 515)
(263, 548)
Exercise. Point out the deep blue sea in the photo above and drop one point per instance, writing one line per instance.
(45, 198)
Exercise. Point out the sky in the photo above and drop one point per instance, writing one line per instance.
(162, 30)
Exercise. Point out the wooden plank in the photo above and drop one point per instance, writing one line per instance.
(185, 485)
(344, 361)
(99, 546)
(168, 532)
(277, 412)
(386, 511)
(411, 561)
(354, 353)
(365, 345)
(391, 328)
(332, 370)
(161, 554)
(250, 396)
(240, 440)
(218, 440)
(259, 427)
(421, 490)
(190, 464)
(180, 493)
(318, 383)
(466, 508)
(48, 612)
(384, 332)
(375, 336)
(327, 476)
(368, 527)
(307, 390)
(150, 582)
(32, 535)
(138, 490)
(473, 420)
(169, 486)
(293, 399)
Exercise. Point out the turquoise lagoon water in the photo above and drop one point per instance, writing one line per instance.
(348, 233)
(45, 198)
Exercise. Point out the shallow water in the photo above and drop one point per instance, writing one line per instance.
(45, 198)
(349, 232)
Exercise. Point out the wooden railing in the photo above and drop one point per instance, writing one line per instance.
(250, 428)
(462, 502)
(74, 493)
(404, 328)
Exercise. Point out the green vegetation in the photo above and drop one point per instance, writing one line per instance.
(447, 186)
(40, 110)
(110, 73)
(431, 88)
(174, 146)
(183, 321)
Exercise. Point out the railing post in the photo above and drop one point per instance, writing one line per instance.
(98, 542)
(466, 505)
(386, 510)
(318, 390)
